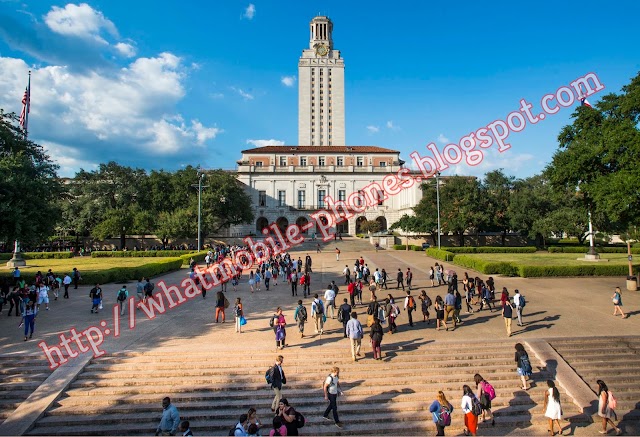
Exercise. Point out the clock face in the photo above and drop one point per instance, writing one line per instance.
(322, 50)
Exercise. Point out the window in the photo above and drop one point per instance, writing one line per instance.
(321, 161)
(340, 158)
(380, 197)
(262, 198)
(282, 198)
(258, 163)
(359, 161)
(301, 198)
(342, 195)
(303, 161)
(383, 163)
(321, 195)
(283, 161)
(359, 198)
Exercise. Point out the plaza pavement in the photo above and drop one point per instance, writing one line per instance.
(556, 307)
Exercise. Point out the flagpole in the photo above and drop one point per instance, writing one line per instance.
(26, 117)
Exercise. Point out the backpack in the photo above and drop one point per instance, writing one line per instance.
(340, 315)
(268, 376)
(122, 295)
(476, 406)
(522, 301)
(233, 430)
(276, 432)
(272, 321)
(489, 390)
(444, 418)
(396, 310)
(302, 280)
(148, 287)
(299, 420)
(302, 314)
(319, 307)
(525, 365)
(412, 302)
(612, 402)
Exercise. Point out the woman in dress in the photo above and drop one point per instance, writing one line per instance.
(483, 396)
(470, 419)
(252, 280)
(604, 409)
(439, 305)
(436, 409)
(617, 303)
(432, 275)
(524, 365)
(258, 279)
(552, 407)
(281, 333)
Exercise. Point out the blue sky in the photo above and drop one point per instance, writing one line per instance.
(163, 84)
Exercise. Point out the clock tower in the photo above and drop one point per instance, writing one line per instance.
(321, 89)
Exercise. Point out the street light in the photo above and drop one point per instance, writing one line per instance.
(438, 203)
(200, 187)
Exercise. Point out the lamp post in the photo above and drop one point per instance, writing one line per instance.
(201, 176)
(438, 203)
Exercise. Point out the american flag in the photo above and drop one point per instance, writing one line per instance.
(24, 117)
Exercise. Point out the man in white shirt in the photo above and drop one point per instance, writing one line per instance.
(347, 274)
(330, 300)
(43, 296)
(331, 389)
(517, 301)
(66, 282)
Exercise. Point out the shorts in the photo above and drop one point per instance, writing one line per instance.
(43, 299)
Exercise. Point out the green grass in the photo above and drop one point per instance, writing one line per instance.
(550, 259)
(84, 264)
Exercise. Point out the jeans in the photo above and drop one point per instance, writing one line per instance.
(294, 288)
(29, 324)
(519, 313)
(266, 283)
(377, 352)
(409, 312)
(333, 406)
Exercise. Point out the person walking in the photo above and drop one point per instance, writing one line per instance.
(317, 314)
(383, 277)
(239, 313)
(519, 301)
(432, 275)
(552, 408)
(252, 281)
(351, 289)
(344, 312)
(337, 254)
(523, 365)
(617, 303)
(221, 304)
(96, 296)
(306, 288)
(486, 393)
(457, 308)
(76, 278)
(376, 335)
(330, 300)
(170, 418)
(449, 308)
(470, 419)
(347, 274)
(400, 279)
(300, 316)
(140, 290)
(439, 306)
(66, 282)
(409, 306)
(425, 303)
(440, 409)
(390, 309)
(409, 277)
(123, 295)
(280, 330)
(355, 333)
(507, 315)
(332, 389)
(294, 282)
(29, 319)
(278, 379)
(605, 410)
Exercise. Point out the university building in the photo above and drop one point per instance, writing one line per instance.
(289, 183)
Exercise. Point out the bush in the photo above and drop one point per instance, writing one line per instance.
(197, 257)
(440, 254)
(491, 249)
(123, 274)
(38, 255)
(140, 253)
(399, 246)
(417, 248)
(527, 271)
(636, 245)
(486, 267)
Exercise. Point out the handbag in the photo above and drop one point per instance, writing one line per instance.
(226, 303)
(243, 321)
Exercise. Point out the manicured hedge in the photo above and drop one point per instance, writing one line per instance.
(585, 249)
(197, 257)
(491, 249)
(140, 253)
(583, 270)
(39, 255)
(122, 274)
(486, 267)
(440, 254)
(399, 246)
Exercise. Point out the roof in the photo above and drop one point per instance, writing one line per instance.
(320, 149)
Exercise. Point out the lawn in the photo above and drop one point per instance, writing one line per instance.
(551, 259)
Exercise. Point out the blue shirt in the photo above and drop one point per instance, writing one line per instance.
(170, 419)
(354, 329)
(450, 299)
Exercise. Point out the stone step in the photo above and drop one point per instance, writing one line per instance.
(19, 385)
(14, 394)
(30, 369)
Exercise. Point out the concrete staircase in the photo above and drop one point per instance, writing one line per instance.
(20, 375)
(615, 360)
(121, 394)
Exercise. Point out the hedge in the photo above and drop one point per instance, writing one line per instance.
(123, 274)
(197, 257)
(440, 254)
(491, 249)
(417, 248)
(486, 267)
(585, 249)
(584, 270)
(141, 253)
(38, 255)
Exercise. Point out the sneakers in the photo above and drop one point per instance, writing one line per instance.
(339, 425)
(326, 418)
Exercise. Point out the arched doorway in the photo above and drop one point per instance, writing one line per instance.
(324, 222)
(282, 223)
(261, 223)
(343, 227)
(301, 223)
(359, 222)
(383, 223)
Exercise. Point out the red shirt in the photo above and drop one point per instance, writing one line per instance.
(351, 287)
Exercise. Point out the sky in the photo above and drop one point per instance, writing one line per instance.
(164, 84)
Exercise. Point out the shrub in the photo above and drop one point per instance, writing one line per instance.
(440, 254)
(417, 248)
(585, 249)
(38, 255)
(399, 246)
(527, 271)
(636, 245)
(197, 256)
(491, 249)
(486, 267)
(140, 253)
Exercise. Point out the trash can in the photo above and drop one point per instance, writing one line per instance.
(632, 283)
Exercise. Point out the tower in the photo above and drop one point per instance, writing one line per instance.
(321, 89)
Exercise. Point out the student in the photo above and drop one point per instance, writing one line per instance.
(552, 408)
(617, 303)
(439, 408)
(300, 316)
(331, 388)
(485, 393)
(239, 312)
(470, 419)
(605, 411)
(507, 315)
(29, 319)
(523, 363)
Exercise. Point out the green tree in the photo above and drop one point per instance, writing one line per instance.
(29, 187)
(496, 190)
(461, 206)
(224, 202)
(531, 200)
(425, 218)
(370, 226)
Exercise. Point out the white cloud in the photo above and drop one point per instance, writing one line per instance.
(373, 129)
(204, 133)
(442, 139)
(250, 11)
(264, 143)
(392, 126)
(81, 21)
(216, 95)
(126, 49)
(67, 158)
(245, 95)
(288, 80)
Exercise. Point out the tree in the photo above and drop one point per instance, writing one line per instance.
(496, 190)
(370, 226)
(599, 153)
(224, 203)
(29, 187)
(461, 206)
(531, 200)
(425, 218)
